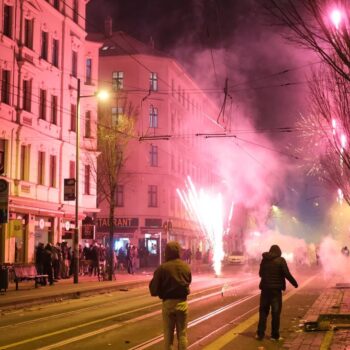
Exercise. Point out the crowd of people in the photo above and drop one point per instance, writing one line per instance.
(58, 261)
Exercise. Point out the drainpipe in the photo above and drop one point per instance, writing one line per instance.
(60, 171)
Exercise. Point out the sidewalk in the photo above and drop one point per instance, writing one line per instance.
(27, 294)
(329, 317)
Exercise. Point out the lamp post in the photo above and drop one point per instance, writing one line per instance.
(101, 95)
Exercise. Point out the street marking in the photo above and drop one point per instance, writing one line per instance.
(235, 332)
(327, 340)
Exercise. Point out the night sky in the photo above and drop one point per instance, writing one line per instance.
(231, 39)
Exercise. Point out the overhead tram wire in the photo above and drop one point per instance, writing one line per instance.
(201, 90)
(66, 111)
(143, 65)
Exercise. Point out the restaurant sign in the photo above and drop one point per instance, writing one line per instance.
(102, 224)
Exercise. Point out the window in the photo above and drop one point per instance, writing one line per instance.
(7, 30)
(41, 168)
(117, 113)
(153, 117)
(172, 203)
(2, 155)
(5, 86)
(71, 169)
(73, 117)
(87, 180)
(119, 199)
(173, 115)
(27, 95)
(153, 80)
(44, 45)
(56, 4)
(172, 162)
(54, 107)
(53, 164)
(88, 124)
(152, 196)
(117, 80)
(55, 51)
(28, 33)
(42, 105)
(153, 155)
(24, 170)
(74, 64)
(75, 11)
(88, 71)
(172, 87)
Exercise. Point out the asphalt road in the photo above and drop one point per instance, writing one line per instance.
(132, 319)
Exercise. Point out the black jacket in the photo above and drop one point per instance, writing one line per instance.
(274, 270)
(171, 280)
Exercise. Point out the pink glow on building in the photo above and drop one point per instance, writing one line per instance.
(43, 54)
(171, 109)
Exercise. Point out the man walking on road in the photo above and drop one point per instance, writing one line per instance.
(170, 282)
(273, 272)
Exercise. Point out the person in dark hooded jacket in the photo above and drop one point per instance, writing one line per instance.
(170, 282)
(273, 273)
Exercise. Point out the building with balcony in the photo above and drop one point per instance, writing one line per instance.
(43, 54)
(171, 113)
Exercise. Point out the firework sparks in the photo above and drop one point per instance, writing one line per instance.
(207, 210)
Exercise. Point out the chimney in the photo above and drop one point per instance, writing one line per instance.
(108, 27)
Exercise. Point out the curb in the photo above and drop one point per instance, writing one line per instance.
(60, 296)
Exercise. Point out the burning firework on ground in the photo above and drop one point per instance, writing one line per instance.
(207, 210)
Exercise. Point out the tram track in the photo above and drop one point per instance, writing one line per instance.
(117, 302)
(198, 320)
(251, 313)
(196, 297)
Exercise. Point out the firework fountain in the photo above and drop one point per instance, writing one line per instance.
(207, 210)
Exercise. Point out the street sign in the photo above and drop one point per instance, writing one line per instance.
(69, 189)
(4, 201)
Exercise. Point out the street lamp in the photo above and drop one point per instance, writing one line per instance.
(102, 95)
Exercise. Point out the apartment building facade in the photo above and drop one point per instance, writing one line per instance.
(171, 114)
(43, 55)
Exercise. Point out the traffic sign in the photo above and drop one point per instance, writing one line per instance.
(69, 189)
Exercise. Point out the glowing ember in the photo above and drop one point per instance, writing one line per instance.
(336, 17)
(207, 210)
(343, 141)
(340, 196)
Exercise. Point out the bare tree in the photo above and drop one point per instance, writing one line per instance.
(323, 26)
(113, 136)
(326, 130)
(319, 25)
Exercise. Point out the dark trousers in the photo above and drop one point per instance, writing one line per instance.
(49, 272)
(56, 269)
(270, 298)
(130, 266)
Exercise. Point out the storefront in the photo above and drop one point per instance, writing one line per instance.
(67, 232)
(124, 231)
(43, 230)
(17, 237)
